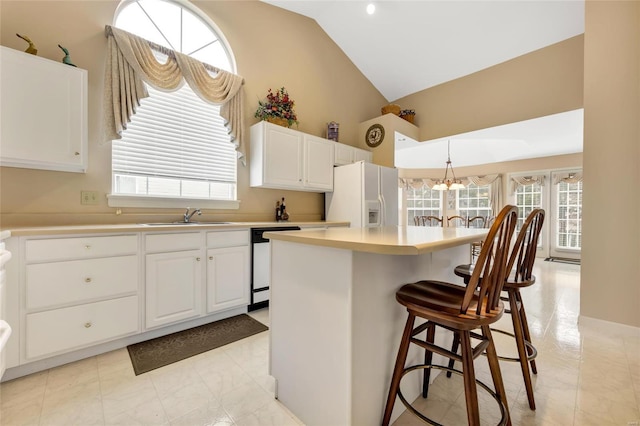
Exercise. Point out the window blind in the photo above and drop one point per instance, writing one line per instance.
(176, 135)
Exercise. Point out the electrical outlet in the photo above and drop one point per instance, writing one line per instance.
(89, 198)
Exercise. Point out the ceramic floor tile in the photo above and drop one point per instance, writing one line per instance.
(24, 389)
(26, 412)
(148, 413)
(211, 414)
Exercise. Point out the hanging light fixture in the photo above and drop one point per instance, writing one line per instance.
(446, 184)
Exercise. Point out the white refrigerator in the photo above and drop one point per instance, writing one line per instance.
(364, 194)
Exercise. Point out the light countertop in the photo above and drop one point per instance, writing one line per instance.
(395, 240)
(141, 227)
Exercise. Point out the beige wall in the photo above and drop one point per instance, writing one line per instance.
(543, 82)
(610, 288)
(295, 53)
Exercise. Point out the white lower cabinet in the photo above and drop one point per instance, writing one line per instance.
(227, 278)
(58, 330)
(77, 291)
(173, 286)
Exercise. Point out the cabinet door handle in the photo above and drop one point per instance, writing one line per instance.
(210, 257)
(87, 325)
(87, 280)
(76, 153)
(87, 247)
(198, 259)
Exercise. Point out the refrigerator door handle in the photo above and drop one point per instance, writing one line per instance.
(383, 219)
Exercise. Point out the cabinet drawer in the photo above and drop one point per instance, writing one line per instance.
(227, 238)
(172, 242)
(70, 328)
(80, 247)
(51, 284)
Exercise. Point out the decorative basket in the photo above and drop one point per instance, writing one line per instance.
(408, 114)
(279, 121)
(391, 109)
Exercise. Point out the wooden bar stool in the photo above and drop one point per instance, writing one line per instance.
(463, 311)
(520, 275)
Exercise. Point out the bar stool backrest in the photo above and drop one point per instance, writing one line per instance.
(492, 263)
(523, 253)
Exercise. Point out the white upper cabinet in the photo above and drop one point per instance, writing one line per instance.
(284, 158)
(43, 113)
(347, 154)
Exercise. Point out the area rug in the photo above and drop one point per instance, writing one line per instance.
(165, 350)
(563, 260)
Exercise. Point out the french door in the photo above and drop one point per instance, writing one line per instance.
(566, 213)
(561, 197)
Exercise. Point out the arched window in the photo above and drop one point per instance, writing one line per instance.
(176, 146)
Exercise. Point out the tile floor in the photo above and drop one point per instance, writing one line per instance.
(585, 377)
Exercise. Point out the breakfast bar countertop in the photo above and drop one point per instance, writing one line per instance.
(394, 240)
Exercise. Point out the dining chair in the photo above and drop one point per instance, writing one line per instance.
(432, 220)
(476, 222)
(456, 221)
(468, 312)
(519, 275)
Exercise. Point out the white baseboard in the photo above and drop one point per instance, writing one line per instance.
(609, 327)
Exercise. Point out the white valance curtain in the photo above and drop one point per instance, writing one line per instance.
(417, 183)
(494, 180)
(130, 62)
(517, 181)
(573, 177)
(495, 193)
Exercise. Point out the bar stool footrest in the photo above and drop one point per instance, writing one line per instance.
(532, 353)
(503, 411)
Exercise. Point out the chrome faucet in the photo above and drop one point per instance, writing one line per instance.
(188, 216)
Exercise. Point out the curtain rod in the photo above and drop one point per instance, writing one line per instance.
(108, 31)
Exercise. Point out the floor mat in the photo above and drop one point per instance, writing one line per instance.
(165, 350)
(563, 260)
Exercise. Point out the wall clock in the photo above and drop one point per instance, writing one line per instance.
(374, 135)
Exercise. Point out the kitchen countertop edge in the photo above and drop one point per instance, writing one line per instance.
(393, 240)
(138, 227)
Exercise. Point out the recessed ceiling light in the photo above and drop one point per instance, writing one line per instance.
(371, 8)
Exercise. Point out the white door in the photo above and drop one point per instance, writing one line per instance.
(318, 163)
(282, 156)
(389, 195)
(173, 287)
(227, 278)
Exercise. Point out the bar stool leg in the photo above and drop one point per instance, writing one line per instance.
(428, 358)
(525, 329)
(496, 374)
(398, 369)
(522, 350)
(454, 349)
(469, 376)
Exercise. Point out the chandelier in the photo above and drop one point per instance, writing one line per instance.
(446, 184)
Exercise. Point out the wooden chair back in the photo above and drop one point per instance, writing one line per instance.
(492, 263)
(456, 221)
(523, 253)
(417, 221)
(432, 220)
(476, 222)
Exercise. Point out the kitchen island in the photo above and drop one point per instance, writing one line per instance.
(335, 323)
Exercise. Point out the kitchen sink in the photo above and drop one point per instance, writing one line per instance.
(184, 223)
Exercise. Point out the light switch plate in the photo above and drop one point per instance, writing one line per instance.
(89, 198)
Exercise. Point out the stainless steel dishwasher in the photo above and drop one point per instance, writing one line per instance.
(261, 266)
